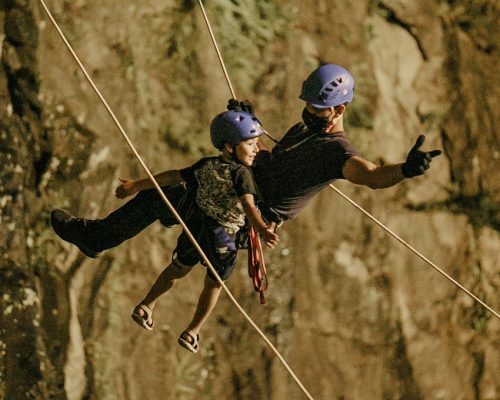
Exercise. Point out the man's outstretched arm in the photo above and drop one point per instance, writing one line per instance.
(362, 172)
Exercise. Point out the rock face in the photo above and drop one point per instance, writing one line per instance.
(354, 312)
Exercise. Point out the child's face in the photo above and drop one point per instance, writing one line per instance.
(247, 150)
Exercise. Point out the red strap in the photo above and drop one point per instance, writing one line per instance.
(256, 264)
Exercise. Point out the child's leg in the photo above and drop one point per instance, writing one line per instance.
(221, 251)
(206, 303)
(143, 312)
(165, 281)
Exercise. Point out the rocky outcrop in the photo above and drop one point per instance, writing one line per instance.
(355, 313)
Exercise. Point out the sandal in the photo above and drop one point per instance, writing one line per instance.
(146, 319)
(189, 340)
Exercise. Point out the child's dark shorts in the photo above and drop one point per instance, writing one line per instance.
(219, 246)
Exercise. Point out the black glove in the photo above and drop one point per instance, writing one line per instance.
(418, 161)
(235, 105)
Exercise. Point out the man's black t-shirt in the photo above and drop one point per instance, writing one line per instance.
(300, 166)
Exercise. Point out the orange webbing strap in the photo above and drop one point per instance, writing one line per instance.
(256, 264)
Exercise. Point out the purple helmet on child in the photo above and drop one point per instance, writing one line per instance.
(234, 127)
(328, 86)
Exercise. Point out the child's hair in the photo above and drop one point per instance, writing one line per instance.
(234, 127)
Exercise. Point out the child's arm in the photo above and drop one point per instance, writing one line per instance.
(254, 217)
(130, 187)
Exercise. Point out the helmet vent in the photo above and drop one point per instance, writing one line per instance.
(328, 85)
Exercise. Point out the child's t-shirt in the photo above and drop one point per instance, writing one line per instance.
(218, 185)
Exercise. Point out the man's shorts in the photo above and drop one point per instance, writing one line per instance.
(219, 247)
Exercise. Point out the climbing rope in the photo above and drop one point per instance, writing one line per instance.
(474, 297)
(221, 61)
(167, 202)
(256, 264)
(413, 250)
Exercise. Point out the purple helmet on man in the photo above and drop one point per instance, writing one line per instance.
(328, 86)
(234, 127)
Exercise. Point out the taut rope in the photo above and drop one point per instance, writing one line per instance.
(167, 202)
(413, 250)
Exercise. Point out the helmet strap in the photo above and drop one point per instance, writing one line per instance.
(313, 122)
(231, 151)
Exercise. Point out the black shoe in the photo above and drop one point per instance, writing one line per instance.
(72, 230)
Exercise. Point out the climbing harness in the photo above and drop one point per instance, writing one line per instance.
(165, 199)
(256, 264)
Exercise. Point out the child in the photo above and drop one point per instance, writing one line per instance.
(221, 191)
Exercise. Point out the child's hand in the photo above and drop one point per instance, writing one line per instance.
(270, 238)
(127, 188)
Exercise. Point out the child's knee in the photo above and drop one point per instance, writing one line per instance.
(180, 266)
(211, 281)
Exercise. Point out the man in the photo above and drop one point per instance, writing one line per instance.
(316, 152)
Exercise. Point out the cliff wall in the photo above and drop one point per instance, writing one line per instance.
(356, 314)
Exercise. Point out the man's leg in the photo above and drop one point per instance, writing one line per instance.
(94, 236)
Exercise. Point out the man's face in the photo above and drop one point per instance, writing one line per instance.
(324, 113)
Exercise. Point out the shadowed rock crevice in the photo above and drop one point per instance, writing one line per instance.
(391, 16)
(402, 369)
(479, 209)
(478, 373)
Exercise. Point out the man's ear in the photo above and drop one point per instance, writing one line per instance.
(229, 148)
